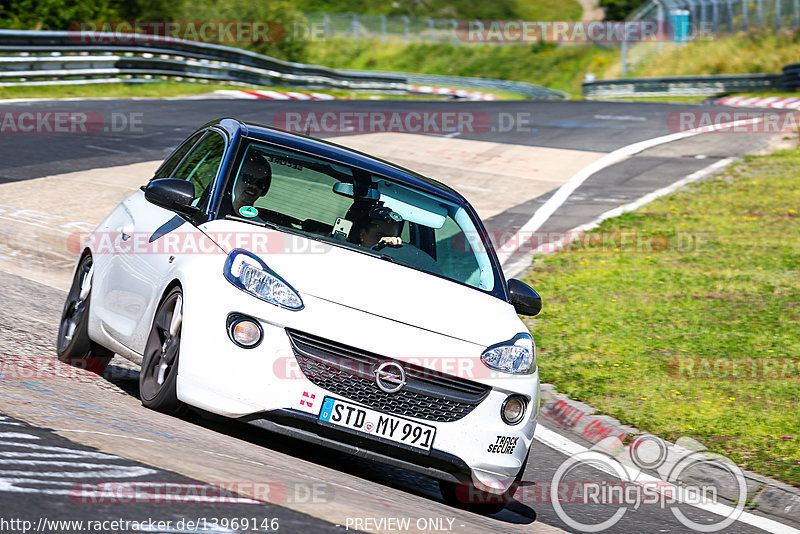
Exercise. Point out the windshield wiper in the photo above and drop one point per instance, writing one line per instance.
(267, 224)
(275, 226)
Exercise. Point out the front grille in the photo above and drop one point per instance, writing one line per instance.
(349, 372)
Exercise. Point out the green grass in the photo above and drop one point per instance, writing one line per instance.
(557, 67)
(172, 89)
(110, 90)
(458, 9)
(693, 99)
(713, 273)
(764, 51)
(697, 99)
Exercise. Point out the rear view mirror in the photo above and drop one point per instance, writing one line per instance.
(525, 300)
(347, 190)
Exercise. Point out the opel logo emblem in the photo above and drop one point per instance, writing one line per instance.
(390, 377)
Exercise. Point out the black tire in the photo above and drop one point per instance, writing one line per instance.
(467, 497)
(159, 374)
(73, 345)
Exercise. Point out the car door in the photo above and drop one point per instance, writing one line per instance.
(141, 266)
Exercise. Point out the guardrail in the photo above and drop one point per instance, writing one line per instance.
(791, 77)
(686, 85)
(54, 57)
(74, 55)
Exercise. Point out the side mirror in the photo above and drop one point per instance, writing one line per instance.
(524, 299)
(172, 194)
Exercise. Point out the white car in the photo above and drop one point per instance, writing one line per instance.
(320, 293)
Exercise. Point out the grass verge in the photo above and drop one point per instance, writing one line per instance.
(174, 89)
(682, 319)
(557, 67)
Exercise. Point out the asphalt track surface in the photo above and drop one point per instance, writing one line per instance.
(30, 311)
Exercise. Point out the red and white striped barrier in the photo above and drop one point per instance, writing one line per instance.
(272, 95)
(758, 102)
(461, 93)
(291, 95)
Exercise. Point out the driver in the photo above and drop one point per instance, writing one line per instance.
(255, 177)
(380, 226)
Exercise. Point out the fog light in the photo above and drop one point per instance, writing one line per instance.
(513, 410)
(244, 331)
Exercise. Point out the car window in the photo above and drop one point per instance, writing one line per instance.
(454, 254)
(200, 167)
(165, 171)
(353, 208)
(302, 193)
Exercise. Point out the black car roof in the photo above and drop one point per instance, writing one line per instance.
(339, 153)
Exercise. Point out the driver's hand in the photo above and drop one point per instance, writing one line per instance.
(391, 241)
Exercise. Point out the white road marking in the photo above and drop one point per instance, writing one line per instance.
(520, 265)
(620, 118)
(17, 435)
(106, 149)
(563, 193)
(102, 433)
(563, 445)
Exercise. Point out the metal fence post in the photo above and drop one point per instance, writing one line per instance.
(431, 32)
(760, 12)
(777, 14)
(730, 16)
(456, 40)
(383, 28)
(407, 27)
(624, 58)
(715, 15)
(326, 22)
(797, 12)
(745, 22)
(354, 26)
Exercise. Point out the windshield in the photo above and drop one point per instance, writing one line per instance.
(353, 208)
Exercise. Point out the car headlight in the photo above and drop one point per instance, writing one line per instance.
(517, 356)
(249, 273)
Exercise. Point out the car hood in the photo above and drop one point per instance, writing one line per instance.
(373, 285)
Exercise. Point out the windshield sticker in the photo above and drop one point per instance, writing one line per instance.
(248, 211)
(284, 161)
(503, 445)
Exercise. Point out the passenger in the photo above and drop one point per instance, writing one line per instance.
(255, 177)
(381, 225)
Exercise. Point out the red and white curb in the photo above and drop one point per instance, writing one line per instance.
(291, 95)
(461, 93)
(758, 102)
(272, 95)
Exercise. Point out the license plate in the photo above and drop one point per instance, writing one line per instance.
(376, 424)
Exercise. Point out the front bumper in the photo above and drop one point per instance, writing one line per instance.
(438, 464)
(265, 386)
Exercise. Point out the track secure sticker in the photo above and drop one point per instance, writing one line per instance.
(503, 445)
(248, 211)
